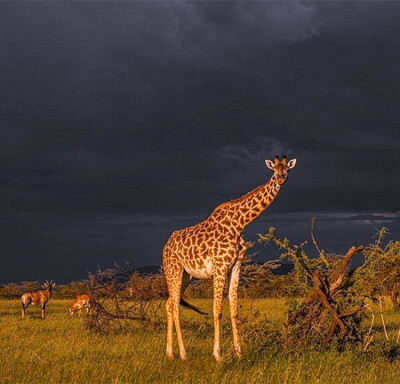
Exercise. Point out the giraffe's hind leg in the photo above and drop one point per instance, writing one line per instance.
(233, 306)
(185, 282)
(218, 288)
(233, 285)
(175, 287)
(170, 329)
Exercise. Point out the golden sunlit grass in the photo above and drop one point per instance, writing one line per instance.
(59, 350)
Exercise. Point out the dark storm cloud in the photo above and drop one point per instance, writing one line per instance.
(162, 110)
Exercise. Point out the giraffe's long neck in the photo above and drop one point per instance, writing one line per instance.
(255, 202)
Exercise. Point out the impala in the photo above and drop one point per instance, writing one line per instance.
(81, 301)
(39, 297)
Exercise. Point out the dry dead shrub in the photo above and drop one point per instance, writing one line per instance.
(121, 299)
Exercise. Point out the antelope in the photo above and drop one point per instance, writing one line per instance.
(35, 298)
(81, 301)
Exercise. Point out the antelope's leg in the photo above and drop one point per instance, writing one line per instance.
(24, 307)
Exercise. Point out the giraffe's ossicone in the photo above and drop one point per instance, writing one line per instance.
(215, 248)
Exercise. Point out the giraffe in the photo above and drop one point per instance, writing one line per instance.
(215, 248)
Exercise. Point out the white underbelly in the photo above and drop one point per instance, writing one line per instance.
(204, 272)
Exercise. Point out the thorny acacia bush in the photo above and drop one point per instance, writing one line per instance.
(334, 297)
(380, 273)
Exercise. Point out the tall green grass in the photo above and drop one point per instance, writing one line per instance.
(60, 350)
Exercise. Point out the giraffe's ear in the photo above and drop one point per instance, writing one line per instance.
(270, 164)
(291, 164)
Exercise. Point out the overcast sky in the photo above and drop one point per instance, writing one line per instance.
(123, 121)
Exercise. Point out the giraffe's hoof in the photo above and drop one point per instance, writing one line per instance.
(217, 356)
(238, 352)
(170, 356)
(183, 356)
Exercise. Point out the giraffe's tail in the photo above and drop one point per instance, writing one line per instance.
(192, 307)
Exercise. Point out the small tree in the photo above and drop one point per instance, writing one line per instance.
(29, 286)
(10, 291)
(328, 309)
(380, 273)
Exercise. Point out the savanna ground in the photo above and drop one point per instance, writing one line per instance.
(60, 350)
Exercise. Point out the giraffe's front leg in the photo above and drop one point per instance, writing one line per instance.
(233, 305)
(219, 282)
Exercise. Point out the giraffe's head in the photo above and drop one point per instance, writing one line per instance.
(280, 168)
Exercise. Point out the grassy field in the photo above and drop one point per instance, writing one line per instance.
(59, 350)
